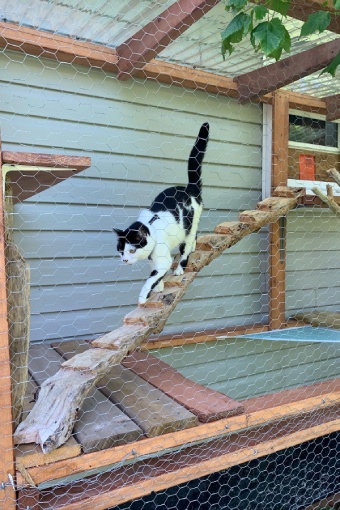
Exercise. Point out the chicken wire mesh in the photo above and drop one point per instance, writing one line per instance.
(221, 391)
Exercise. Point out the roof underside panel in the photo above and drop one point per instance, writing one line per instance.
(111, 23)
(100, 21)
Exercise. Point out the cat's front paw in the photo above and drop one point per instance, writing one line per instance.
(179, 270)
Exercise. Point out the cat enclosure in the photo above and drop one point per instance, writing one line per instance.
(224, 387)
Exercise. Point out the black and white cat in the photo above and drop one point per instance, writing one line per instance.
(171, 221)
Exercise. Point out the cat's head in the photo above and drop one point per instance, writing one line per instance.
(133, 243)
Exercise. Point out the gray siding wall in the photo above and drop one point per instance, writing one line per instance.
(243, 368)
(313, 261)
(139, 135)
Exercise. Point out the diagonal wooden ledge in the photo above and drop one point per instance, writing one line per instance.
(135, 52)
(261, 81)
(51, 420)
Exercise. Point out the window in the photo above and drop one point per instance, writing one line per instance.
(313, 131)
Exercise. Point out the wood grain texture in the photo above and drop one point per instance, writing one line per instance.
(28, 455)
(148, 407)
(100, 424)
(208, 405)
(25, 183)
(277, 248)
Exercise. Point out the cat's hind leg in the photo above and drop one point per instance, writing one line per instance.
(185, 250)
(189, 244)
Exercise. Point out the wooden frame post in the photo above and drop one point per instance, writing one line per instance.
(277, 249)
(7, 471)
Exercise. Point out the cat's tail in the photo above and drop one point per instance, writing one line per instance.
(196, 158)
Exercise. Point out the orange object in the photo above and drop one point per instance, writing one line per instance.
(307, 167)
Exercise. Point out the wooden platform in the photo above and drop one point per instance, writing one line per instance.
(30, 173)
(143, 397)
(143, 411)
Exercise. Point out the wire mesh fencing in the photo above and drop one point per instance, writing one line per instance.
(204, 379)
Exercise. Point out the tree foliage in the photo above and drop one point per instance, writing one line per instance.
(264, 24)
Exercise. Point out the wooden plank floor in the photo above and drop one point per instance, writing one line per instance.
(125, 406)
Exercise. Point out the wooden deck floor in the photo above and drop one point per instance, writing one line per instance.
(145, 413)
(142, 397)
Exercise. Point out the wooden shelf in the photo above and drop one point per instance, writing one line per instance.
(29, 174)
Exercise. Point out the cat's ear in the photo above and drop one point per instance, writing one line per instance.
(143, 230)
(142, 236)
(120, 233)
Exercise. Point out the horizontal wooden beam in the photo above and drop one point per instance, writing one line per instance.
(333, 106)
(45, 160)
(266, 79)
(148, 42)
(39, 43)
(305, 102)
(189, 78)
(137, 480)
(195, 79)
(258, 412)
(56, 47)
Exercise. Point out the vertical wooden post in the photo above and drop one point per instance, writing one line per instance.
(7, 492)
(277, 251)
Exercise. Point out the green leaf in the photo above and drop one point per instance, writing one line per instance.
(336, 4)
(235, 5)
(260, 11)
(239, 26)
(332, 66)
(271, 37)
(280, 6)
(316, 22)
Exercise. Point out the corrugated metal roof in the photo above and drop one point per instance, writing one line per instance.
(112, 22)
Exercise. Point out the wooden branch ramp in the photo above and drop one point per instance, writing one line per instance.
(63, 393)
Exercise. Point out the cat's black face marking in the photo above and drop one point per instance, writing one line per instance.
(135, 235)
